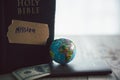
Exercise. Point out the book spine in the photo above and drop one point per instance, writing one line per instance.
(53, 8)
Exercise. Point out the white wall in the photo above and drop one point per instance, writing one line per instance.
(84, 17)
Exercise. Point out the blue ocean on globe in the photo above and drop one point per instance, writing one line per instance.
(62, 50)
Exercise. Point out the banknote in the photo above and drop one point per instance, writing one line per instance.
(33, 72)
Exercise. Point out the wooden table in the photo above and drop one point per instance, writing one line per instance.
(107, 47)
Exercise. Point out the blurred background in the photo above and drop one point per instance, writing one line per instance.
(87, 17)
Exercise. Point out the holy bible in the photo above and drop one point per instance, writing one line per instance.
(26, 32)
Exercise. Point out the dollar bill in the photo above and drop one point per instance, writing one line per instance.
(33, 72)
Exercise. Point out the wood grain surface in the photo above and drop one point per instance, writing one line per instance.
(107, 47)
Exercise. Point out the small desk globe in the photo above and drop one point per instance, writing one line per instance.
(62, 51)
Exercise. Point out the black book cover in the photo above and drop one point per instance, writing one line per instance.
(13, 55)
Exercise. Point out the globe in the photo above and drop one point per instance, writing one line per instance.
(62, 50)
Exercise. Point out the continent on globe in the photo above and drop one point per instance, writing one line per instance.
(62, 50)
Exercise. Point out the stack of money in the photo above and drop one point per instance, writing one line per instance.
(33, 72)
